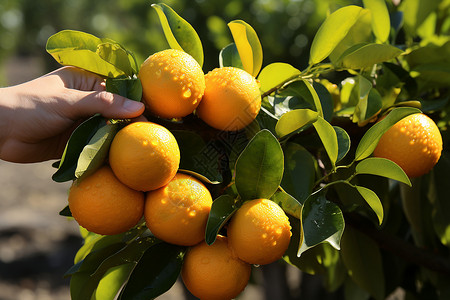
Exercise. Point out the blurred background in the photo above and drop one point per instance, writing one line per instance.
(36, 244)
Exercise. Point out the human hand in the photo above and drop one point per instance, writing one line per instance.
(37, 117)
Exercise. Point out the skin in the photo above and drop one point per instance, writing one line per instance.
(38, 116)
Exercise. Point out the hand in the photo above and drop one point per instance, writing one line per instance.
(37, 117)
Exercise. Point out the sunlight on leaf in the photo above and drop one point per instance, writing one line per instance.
(332, 31)
(381, 25)
(79, 49)
(373, 201)
(95, 152)
(179, 33)
(365, 55)
(329, 139)
(295, 120)
(274, 74)
(382, 167)
(248, 45)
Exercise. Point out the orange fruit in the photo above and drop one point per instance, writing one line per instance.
(232, 99)
(144, 156)
(259, 232)
(103, 205)
(177, 212)
(414, 143)
(172, 83)
(213, 272)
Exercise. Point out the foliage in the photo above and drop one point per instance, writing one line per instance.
(309, 150)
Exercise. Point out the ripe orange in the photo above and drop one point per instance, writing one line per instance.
(102, 204)
(414, 143)
(259, 232)
(172, 83)
(177, 213)
(144, 156)
(213, 272)
(232, 99)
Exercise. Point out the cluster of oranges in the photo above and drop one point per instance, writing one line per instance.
(142, 180)
(174, 85)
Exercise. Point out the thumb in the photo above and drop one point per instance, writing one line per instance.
(109, 105)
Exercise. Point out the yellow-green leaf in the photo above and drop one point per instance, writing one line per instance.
(179, 33)
(295, 120)
(275, 74)
(365, 55)
(79, 49)
(332, 32)
(381, 24)
(248, 45)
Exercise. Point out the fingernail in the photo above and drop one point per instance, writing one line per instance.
(131, 105)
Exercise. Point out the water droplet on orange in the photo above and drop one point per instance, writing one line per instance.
(187, 93)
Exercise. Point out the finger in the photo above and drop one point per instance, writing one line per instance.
(79, 79)
(107, 104)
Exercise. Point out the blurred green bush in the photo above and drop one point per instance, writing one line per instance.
(285, 27)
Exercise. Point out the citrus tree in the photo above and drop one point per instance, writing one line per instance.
(356, 219)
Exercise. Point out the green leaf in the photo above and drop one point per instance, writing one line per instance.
(79, 49)
(299, 172)
(288, 203)
(130, 88)
(113, 280)
(179, 33)
(297, 94)
(365, 55)
(229, 57)
(415, 12)
(79, 138)
(275, 75)
(329, 139)
(382, 167)
(322, 221)
(362, 257)
(96, 151)
(221, 211)
(81, 286)
(295, 120)
(344, 142)
(128, 253)
(94, 242)
(117, 56)
(322, 260)
(326, 100)
(370, 139)
(259, 168)
(332, 31)
(367, 108)
(434, 75)
(156, 272)
(361, 32)
(374, 202)
(248, 46)
(381, 24)
(303, 88)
